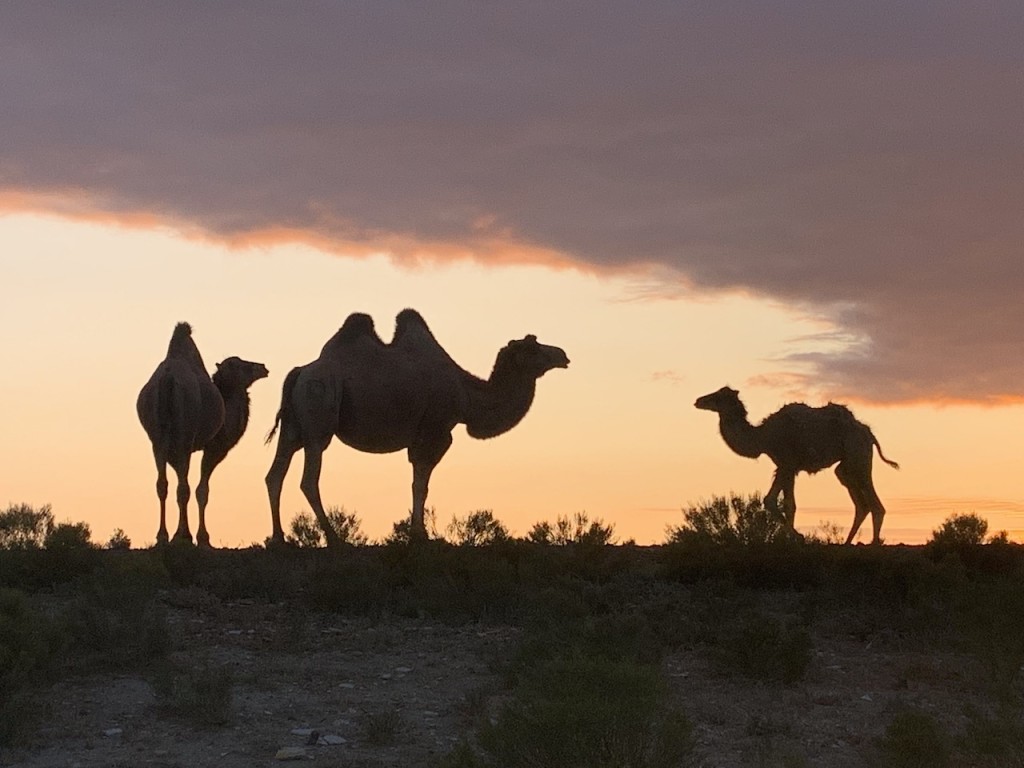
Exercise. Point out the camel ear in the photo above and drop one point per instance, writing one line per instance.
(217, 366)
(530, 338)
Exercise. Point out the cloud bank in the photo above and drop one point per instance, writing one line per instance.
(865, 163)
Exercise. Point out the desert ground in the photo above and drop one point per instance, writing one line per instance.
(438, 655)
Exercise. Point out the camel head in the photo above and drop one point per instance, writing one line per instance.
(725, 400)
(236, 372)
(529, 356)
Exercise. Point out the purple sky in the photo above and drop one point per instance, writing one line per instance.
(863, 162)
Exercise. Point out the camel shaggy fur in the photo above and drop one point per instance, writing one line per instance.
(183, 410)
(406, 395)
(801, 438)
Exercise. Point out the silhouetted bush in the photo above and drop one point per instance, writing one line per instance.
(732, 520)
(577, 529)
(64, 536)
(25, 527)
(964, 529)
(119, 540)
(306, 530)
(477, 529)
(401, 532)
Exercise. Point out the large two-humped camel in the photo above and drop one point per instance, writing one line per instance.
(801, 438)
(408, 394)
(183, 410)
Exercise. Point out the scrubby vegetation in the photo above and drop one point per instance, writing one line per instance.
(306, 531)
(596, 624)
(577, 529)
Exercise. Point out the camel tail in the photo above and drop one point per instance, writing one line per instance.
(284, 413)
(881, 455)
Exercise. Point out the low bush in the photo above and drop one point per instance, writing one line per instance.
(733, 520)
(201, 694)
(764, 648)
(25, 527)
(577, 529)
(65, 536)
(29, 647)
(476, 529)
(589, 711)
(914, 739)
(306, 530)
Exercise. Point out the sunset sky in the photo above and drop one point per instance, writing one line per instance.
(804, 201)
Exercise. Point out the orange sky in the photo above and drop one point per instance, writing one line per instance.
(90, 308)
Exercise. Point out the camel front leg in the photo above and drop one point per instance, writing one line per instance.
(424, 457)
(310, 486)
(209, 463)
(789, 500)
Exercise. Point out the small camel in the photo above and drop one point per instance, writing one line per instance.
(800, 438)
(183, 410)
(381, 398)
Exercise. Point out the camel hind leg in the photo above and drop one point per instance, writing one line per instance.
(287, 444)
(161, 493)
(852, 478)
(310, 486)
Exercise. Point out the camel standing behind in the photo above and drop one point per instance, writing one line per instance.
(800, 438)
(381, 398)
(183, 410)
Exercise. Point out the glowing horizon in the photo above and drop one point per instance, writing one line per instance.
(91, 308)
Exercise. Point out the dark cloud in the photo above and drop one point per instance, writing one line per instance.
(864, 161)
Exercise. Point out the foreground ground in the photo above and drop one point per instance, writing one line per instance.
(771, 660)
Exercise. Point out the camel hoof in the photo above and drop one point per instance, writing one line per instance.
(203, 540)
(182, 539)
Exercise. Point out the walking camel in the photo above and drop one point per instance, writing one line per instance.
(408, 394)
(183, 410)
(800, 438)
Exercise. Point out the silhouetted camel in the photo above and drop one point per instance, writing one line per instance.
(183, 410)
(233, 378)
(381, 398)
(799, 438)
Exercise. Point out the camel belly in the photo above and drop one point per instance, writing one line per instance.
(374, 443)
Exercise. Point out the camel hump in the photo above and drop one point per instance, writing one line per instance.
(357, 325)
(183, 346)
(407, 320)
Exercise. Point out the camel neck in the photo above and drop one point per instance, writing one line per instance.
(740, 435)
(236, 410)
(498, 404)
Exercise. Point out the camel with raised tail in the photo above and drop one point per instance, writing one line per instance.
(407, 395)
(183, 410)
(801, 438)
